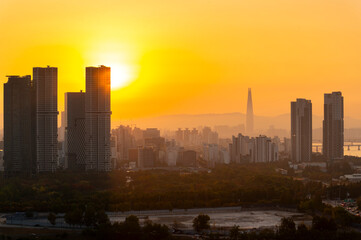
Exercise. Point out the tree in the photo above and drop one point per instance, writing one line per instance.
(234, 233)
(90, 216)
(201, 222)
(358, 201)
(343, 217)
(302, 232)
(29, 214)
(132, 223)
(74, 217)
(323, 224)
(154, 231)
(287, 229)
(102, 218)
(131, 228)
(52, 218)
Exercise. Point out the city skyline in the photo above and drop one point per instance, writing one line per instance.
(200, 119)
(288, 47)
(350, 122)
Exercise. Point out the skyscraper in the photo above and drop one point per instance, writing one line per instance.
(46, 85)
(75, 131)
(301, 130)
(97, 118)
(333, 126)
(19, 126)
(249, 120)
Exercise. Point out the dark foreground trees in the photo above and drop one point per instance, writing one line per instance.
(130, 229)
(52, 218)
(322, 228)
(236, 185)
(201, 222)
(88, 216)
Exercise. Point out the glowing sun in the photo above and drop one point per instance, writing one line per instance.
(121, 75)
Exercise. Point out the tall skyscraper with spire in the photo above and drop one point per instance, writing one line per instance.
(249, 120)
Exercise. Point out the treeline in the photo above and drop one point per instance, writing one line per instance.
(322, 229)
(332, 225)
(130, 229)
(232, 185)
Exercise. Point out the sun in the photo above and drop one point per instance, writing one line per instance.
(123, 70)
(121, 75)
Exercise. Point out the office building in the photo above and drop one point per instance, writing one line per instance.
(301, 130)
(333, 126)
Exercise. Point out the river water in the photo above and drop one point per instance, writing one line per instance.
(244, 219)
(353, 151)
(220, 217)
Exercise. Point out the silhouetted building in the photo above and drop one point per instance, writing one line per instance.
(186, 135)
(264, 150)
(156, 142)
(211, 154)
(146, 157)
(194, 137)
(125, 141)
(187, 158)
(240, 148)
(172, 155)
(46, 85)
(287, 145)
(75, 131)
(133, 154)
(301, 130)
(209, 136)
(113, 152)
(97, 119)
(61, 129)
(19, 126)
(151, 133)
(206, 132)
(249, 120)
(333, 126)
(179, 136)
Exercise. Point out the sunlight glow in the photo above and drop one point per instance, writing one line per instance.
(114, 56)
(121, 75)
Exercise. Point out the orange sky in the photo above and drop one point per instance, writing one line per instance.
(196, 56)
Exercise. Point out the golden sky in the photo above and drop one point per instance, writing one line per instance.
(191, 56)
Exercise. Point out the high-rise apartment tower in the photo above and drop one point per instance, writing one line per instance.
(97, 119)
(301, 130)
(333, 127)
(46, 86)
(19, 126)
